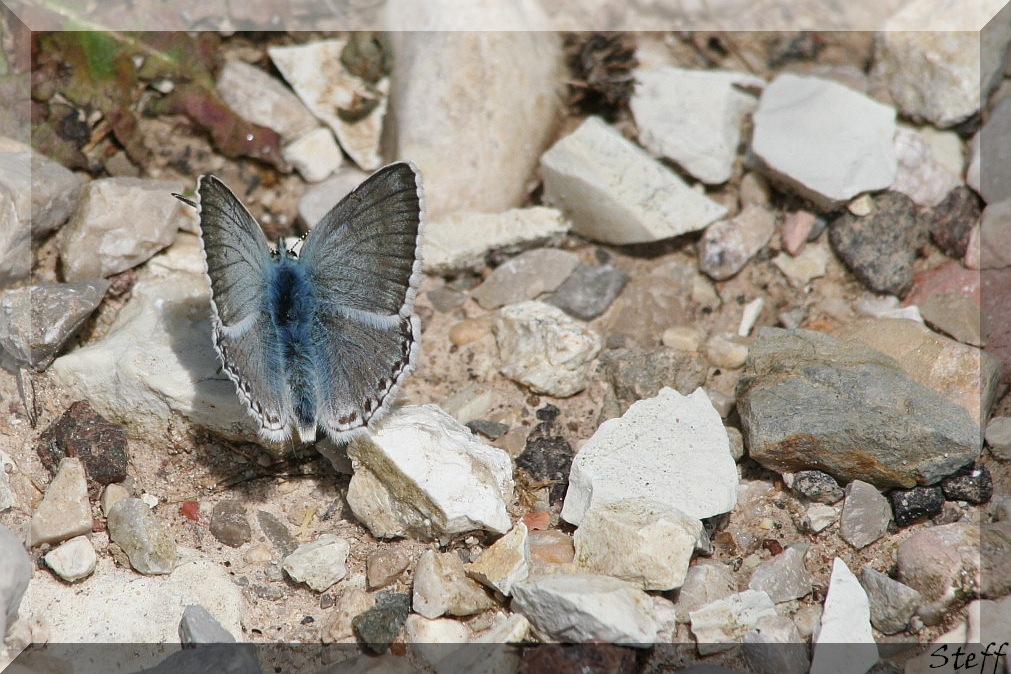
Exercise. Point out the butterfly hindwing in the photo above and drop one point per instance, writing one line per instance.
(238, 267)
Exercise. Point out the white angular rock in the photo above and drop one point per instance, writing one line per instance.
(505, 563)
(723, 623)
(318, 564)
(314, 155)
(645, 542)
(705, 582)
(64, 511)
(459, 240)
(434, 639)
(421, 472)
(693, 117)
(15, 242)
(784, 577)
(807, 265)
(315, 71)
(441, 587)
(157, 358)
(72, 560)
(919, 175)
(262, 99)
(928, 56)
(541, 347)
(827, 142)
(818, 517)
(671, 448)
(494, 121)
(614, 192)
(119, 223)
(577, 608)
(15, 574)
(844, 643)
(116, 605)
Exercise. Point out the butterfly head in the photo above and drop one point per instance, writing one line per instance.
(283, 251)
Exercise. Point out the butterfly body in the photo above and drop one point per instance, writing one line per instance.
(322, 339)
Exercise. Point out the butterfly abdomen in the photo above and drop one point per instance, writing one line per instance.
(292, 306)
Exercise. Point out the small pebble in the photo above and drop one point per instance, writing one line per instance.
(380, 625)
(319, 564)
(198, 626)
(493, 430)
(818, 517)
(998, 437)
(726, 351)
(384, 566)
(445, 299)
(817, 486)
(277, 533)
(589, 291)
(229, 523)
(72, 560)
(84, 433)
(134, 528)
(912, 505)
(468, 330)
(684, 338)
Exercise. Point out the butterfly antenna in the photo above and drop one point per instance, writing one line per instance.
(185, 200)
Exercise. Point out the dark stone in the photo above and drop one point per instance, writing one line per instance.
(84, 433)
(880, 248)
(636, 374)
(489, 429)
(951, 221)
(913, 505)
(380, 625)
(589, 291)
(547, 457)
(547, 413)
(229, 524)
(445, 299)
(278, 534)
(972, 484)
(815, 485)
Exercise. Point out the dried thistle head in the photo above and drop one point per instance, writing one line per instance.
(601, 65)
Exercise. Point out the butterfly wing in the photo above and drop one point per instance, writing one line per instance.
(363, 259)
(238, 267)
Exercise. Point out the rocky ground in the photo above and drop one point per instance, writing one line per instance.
(701, 364)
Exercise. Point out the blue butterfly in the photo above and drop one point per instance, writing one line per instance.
(322, 338)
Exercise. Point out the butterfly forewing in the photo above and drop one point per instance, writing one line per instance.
(238, 263)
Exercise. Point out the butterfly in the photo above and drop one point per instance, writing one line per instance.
(320, 339)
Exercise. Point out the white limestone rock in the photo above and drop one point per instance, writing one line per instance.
(314, 155)
(693, 117)
(320, 563)
(543, 348)
(671, 448)
(723, 623)
(844, 643)
(505, 563)
(823, 140)
(262, 99)
(614, 192)
(421, 472)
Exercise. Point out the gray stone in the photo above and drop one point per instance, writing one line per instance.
(198, 626)
(784, 577)
(525, 277)
(586, 607)
(442, 587)
(654, 302)
(727, 245)
(693, 117)
(637, 374)
(801, 121)
(119, 223)
(865, 515)
(955, 315)
(276, 532)
(15, 243)
(318, 564)
(880, 248)
(995, 154)
(774, 646)
(37, 321)
(995, 235)
(942, 563)
(811, 401)
(44, 193)
(589, 290)
(261, 99)
(928, 57)
(15, 572)
(496, 120)
(614, 192)
(705, 583)
(64, 511)
(817, 486)
(229, 523)
(920, 176)
(379, 626)
(545, 350)
(133, 527)
(670, 448)
(892, 603)
(998, 437)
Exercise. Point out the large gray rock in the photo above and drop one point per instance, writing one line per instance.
(825, 141)
(15, 572)
(995, 154)
(496, 120)
(810, 401)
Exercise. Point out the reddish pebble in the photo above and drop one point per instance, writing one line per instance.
(537, 521)
(772, 545)
(950, 277)
(190, 510)
(796, 228)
